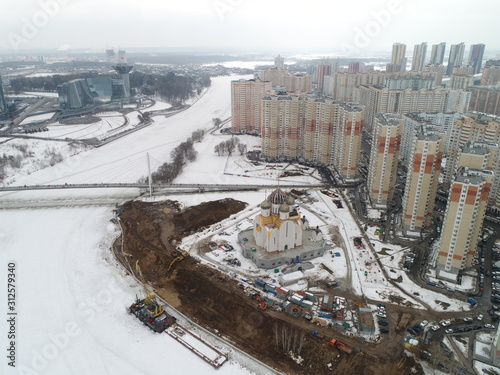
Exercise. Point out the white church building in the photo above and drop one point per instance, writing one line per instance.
(278, 227)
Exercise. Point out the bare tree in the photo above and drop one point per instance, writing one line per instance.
(242, 148)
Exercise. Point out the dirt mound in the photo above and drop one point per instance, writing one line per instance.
(197, 218)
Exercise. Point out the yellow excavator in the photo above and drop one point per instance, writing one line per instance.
(183, 254)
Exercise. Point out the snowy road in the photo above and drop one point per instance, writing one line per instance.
(72, 299)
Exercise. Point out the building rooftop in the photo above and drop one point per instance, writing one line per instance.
(389, 119)
(471, 176)
(475, 150)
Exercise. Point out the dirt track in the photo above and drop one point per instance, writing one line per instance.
(220, 304)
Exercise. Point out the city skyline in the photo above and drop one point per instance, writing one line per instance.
(241, 26)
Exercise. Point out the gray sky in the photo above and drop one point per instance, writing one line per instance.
(353, 28)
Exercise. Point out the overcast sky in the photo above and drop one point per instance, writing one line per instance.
(359, 27)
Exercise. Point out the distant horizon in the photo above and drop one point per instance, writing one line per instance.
(230, 53)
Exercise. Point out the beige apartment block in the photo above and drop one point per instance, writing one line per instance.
(282, 122)
(383, 168)
(463, 221)
(468, 129)
(290, 82)
(421, 183)
(246, 104)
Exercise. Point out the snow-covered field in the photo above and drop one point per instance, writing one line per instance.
(30, 155)
(37, 118)
(71, 300)
(211, 168)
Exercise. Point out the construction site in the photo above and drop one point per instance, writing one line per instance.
(272, 324)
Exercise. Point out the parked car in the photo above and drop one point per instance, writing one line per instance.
(488, 325)
(383, 323)
(468, 319)
(435, 327)
(445, 323)
(480, 317)
(477, 326)
(448, 330)
(384, 330)
(423, 323)
(467, 329)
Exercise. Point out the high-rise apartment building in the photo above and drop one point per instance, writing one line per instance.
(461, 81)
(246, 104)
(426, 124)
(398, 53)
(476, 57)
(290, 82)
(438, 70)
(4, 113)
(486, 156)
(456, 57)
(322, 131)
(491, 73)
(383, 100)
(279, 62)
(341, 86)
(383, 168)
(418, 61)
(348, 138)
(421, 183)
(437, 54)
(322, 70)
(463, 221)
(282, 123)
(353, 68)
(462, 70)
(465, 130)
(485, 99)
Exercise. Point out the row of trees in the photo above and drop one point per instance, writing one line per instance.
(169, 87)
(180, 155)
(228, 147)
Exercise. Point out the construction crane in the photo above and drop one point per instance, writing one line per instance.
(183, 254)
(152, 306)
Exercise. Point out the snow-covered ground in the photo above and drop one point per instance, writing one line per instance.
(211, 168)
(44, 94)
(31, 155)
(110, 123)
(37, 118)
(72, 299)
(482, 368)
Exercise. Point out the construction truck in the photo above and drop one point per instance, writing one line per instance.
(148, 310)
(341, 346)
(262, 303)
